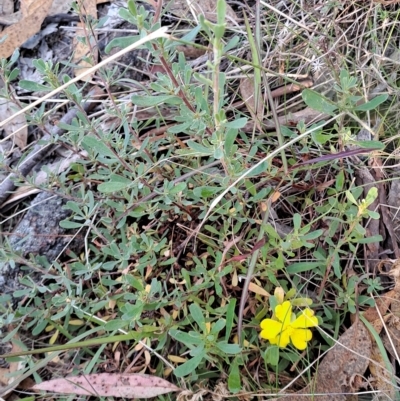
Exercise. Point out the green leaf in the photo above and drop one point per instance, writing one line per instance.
(178, 128)
(370, 144)
(318, 102)
(234, 384)
(198, 316)
(261, 168)
(33, 86)
(296, 221)
(147, 101)
(351, 197)
(271, 355)
(339, 181)
(200, 148)
(109, 187)
(320, 138)
(238, 123)
(121, 42)
(218, 153)
(371, 195)
(228, 348)
(185, 338)
(369, 240)
(374, 215)
(221, 11)
(92, 143)
(217, 326)
(191, 35)
(40, 327)
(230, 315)
(205, 192)
(233, 42)
(230, 138)
(300, 267)
(116, 324)
(372, 104)
(132, 312)
(181, 186)
(188, 367)
(134, 282)
(312, 235)
(70, 224)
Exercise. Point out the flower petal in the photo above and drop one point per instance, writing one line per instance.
(270, 328)
(282, 339)
(306, 319)
(299, 338)
(283, 312)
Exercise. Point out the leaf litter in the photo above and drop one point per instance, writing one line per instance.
(109, 385)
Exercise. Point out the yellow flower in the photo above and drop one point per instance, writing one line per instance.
(286, 328)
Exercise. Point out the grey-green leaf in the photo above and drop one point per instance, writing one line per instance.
(112, 186)
(70, 224)
(205, 192)
(33, 86)
(372, 104)
(234, 384)
(228, 348)
(97, 145)
(200, 148)
(189, 366)
(185, 337)
(147, 101)
(318, 102)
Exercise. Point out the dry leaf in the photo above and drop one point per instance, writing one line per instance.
(58, 6)
(256, 108)
(17, 126)
(6, 376)
(382, 376)
(188, 9)
(391, 336)
(177, 359)
(6, 6)
(258, 290)
(15, 35)
(27, 6)
(275, 196)
(87, 7)
(110, 385)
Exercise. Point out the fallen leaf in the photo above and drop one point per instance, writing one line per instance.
(382, 377)
(7, 374)
(190, 8)
(6, 6)
(258, 290)
(110, 385)
(26, 8)
(177, 359)
(17, 127)
(255, 106)
(15, 35)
